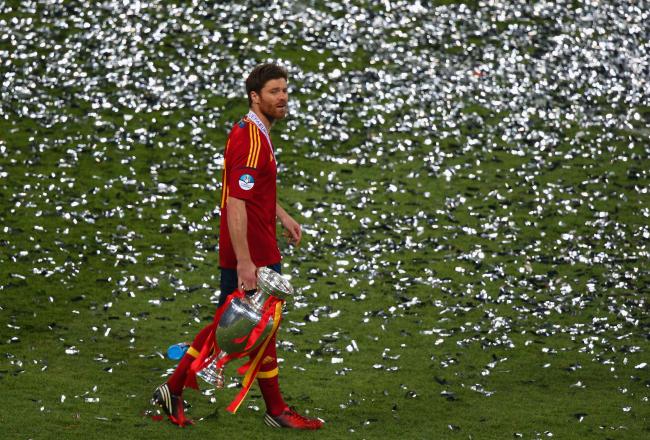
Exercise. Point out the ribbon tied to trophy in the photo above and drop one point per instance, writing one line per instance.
(243, 326)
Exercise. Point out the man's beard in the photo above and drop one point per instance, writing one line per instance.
(270, 114)
(270, 118)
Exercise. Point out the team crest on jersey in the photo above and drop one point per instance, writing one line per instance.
(246, 182)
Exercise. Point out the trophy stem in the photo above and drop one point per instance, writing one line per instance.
(257, 299)
(213, 374)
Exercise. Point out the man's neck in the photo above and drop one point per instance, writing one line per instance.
(265, 120)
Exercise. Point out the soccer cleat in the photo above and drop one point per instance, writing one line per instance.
(291, 419)
(171, 404)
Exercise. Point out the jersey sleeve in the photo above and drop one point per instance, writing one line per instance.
(243, 161)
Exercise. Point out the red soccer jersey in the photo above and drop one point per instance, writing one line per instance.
(249, 174)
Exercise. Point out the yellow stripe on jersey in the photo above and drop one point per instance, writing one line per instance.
(224, 189)
(250, 144)
(254, 145)
(259, 147)
(224, 179)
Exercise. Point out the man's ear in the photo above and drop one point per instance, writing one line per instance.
(255, 98)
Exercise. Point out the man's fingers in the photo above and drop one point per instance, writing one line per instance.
(247, 280)
(297, 235)
(249, 284)
(293, 235)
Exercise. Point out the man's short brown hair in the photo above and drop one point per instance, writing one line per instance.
(260, 75)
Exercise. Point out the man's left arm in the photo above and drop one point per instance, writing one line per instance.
(291, 227)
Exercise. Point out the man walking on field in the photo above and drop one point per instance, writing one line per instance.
(247, 239)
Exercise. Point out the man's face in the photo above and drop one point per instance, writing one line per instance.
(272, 99)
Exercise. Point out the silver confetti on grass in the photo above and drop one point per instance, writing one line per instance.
(72, 350)
(422, 96)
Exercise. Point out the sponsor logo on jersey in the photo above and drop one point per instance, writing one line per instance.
(246, 182)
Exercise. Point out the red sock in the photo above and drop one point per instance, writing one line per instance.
(177, 380)
(272, 396)
(267, 378)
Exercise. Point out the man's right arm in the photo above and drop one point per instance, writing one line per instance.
(238, 227)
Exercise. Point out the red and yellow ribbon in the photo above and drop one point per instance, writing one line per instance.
(253, 367)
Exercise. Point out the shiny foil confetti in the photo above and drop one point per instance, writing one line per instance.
(471, 175)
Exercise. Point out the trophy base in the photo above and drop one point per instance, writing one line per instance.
(212, 375)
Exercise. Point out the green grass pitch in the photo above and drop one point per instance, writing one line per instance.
(471, 178)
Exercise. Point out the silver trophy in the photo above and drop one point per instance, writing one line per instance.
(241, 317)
